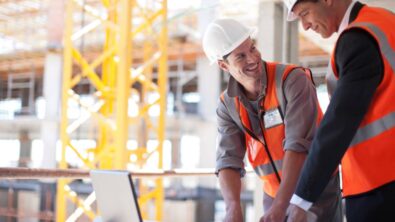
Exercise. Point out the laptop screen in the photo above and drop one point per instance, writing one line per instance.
(115, 196)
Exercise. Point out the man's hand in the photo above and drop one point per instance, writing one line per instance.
(296, 214)
(274, 214)
(234, 213)
(292, 164)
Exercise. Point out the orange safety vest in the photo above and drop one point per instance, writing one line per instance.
(266, 156)
(369, 161)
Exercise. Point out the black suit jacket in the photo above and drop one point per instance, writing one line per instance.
(360, 68)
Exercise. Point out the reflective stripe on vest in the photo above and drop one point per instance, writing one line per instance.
(373, 129)
(384, 44)
(267, 169)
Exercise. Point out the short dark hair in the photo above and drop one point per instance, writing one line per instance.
(226, 56)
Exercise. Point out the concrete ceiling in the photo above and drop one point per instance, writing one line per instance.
(21, 36)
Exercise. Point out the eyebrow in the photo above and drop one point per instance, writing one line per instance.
(300, 13)
(238, 54)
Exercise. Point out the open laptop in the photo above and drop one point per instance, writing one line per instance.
(115, 196)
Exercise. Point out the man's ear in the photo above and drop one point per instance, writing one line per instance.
(223, 65)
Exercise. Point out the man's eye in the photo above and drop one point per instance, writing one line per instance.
(239, 57)
(303, 14)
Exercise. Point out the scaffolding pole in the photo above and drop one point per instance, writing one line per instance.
(118, 83)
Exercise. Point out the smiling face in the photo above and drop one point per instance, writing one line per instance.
(318, 16)
(244, 63)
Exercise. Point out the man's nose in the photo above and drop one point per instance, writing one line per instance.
(306, 25)
(250, 57)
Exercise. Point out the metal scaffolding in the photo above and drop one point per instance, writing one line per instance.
(118, 84)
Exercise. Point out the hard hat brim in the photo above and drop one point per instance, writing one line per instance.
(291, 16)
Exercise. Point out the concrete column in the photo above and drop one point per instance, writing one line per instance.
(208, 75)
(209, 91)
(269, 36)
(292, 52)
(277, 39)
(52, 94)
(176, 159)
(207, 132)
(55, 24)
(179, 211)
(25, 149)
(28, 204)
(47, 197)
(175, 152)
(258, 199)
(208, 88)
(52, 86)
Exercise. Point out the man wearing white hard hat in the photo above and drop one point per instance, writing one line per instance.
(269, 112)
(358, 129)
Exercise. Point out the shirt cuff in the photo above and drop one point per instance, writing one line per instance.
(298, 201)
(297, 145)
(242, 170)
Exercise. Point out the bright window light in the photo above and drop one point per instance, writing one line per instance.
(9, 150)
(190, 151)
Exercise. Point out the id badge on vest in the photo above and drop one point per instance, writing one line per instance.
(272, 118)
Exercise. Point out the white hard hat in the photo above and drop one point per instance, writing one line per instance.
(290, 4)
(222, 36)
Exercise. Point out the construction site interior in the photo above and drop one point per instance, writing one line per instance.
(65, 105)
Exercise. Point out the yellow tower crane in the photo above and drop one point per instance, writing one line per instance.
(128, 29)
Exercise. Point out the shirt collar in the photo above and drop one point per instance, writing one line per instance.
(346, 18)
(235, 88)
